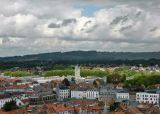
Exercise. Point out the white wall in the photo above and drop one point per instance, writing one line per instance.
(147, 97)
(122, 96)
(84, 94)
(62, 94)
(3, 101)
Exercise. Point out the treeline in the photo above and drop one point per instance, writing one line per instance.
(85, 56)
(48, 65)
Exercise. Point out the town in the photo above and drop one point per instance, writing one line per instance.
(76, 94)
(79, 56)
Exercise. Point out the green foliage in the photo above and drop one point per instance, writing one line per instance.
(66, 82)
(146, 80)
(17, 73)
(126, 71)
(98, 82)
(98, 73)
(59, 73)
(116, 78)
(84, 73)
(114, 106)
(8, 106)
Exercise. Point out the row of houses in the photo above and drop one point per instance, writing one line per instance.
(77, 91)
(86, 91)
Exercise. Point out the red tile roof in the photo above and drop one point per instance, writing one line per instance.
(23, 86)
(18, 111)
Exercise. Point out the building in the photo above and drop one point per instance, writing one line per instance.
(77, 72)
(38, 99)
(18, 101)
(18, 88)
(70, 107)
(122, 96)
(143, 97)
(84, 91)
(4, 100)
(63, 92)
(85, 94)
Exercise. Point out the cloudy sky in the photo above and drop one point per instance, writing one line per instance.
(38, 26)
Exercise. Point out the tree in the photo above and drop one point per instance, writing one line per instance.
(98, 82)
(115, 78)
(11, 105)
(95, 83)
(114, 106)
(66, 82)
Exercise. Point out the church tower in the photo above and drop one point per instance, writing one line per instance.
(77, 72)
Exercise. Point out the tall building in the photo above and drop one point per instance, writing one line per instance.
(77, 72)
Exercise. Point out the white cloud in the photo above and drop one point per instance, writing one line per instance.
(35, 26)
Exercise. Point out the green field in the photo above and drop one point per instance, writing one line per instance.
(17, 73)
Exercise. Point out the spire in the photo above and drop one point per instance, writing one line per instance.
(80, 111)
(105, 110)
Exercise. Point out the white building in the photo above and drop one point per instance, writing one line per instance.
(124, 96)
(144, 97)
(86, 94)
(3, 101)
(63, 92)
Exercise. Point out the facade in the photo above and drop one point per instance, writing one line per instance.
(124, 96)
(40, 99)
(144, 97)
(86, 94)
(63, 92)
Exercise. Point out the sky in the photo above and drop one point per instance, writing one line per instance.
(41, 26)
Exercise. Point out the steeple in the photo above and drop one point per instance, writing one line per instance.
(105, 110)
(80, 111)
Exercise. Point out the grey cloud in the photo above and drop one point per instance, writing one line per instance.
(54, 25)
(66, 22)
(92, 29)
(153, 29)
(82, 29)
(138, 14)
(86, 23)
(125, 28)
(119, 19)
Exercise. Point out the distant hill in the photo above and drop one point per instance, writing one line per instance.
(85, 56)
(50, 60)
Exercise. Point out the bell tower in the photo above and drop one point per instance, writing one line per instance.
(77, 72)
